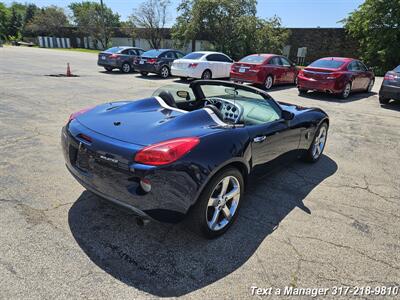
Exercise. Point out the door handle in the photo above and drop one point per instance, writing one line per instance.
(259, 139)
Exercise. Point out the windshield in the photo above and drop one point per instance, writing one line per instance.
(193, 55)
(114, 49)
(151, 53)
(327, 63)
(253, 59)
(397, 69)
(257, 108)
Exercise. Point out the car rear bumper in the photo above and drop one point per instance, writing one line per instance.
(150, 68)
(390, 92)
(109, 63)
(172, 191)
(321, 85)
(249, 77)
(187, 72)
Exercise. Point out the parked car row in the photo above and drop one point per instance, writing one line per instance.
(334, 75)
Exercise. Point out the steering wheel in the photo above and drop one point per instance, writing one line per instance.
(230, 110)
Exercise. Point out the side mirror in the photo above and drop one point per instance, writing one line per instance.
(183, 94)
(287, 115)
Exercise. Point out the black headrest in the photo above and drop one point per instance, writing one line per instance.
(168, 98)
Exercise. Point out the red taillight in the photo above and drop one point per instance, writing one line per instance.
(166, 152)
(389, 76)
(78, 113)
(113, 56)
(194, 65)
(301, 73)
(152, 60)
(334, 75)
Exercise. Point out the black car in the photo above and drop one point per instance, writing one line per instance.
(119, 58)
(188, 151)
(390, 88)
(157, 61)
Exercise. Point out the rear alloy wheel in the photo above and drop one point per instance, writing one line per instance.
(164, 72)
(346, 91)
(318, 144)
(370, 85)
(144, 73)
(108, 69)
(269, 81)
(218, 205)
(383, 100)
(206, 74)
(126, 68)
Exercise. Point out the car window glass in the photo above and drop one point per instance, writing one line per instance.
(125, 51)
(179, 54)
(275, 61)
(223, 58)
(327, 64)
(211, 57)
(354, 67)
(257, 109)
(169, 54)
(132, 52)
(285, 62)
(397, 69)
(361, 66)
(194, 55)
(173, 89)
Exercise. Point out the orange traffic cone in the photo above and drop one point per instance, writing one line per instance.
(69, 74)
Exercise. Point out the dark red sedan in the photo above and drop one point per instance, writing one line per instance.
(336, 75)
(264, 69)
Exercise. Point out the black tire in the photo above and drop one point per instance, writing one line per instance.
(108, 69)
(164, 72)
(207, 74)
(309, 155)
(144, 73)
(383, 100)
(197, 216)
(126, 68)
(302, 91)
(345, 93)
(269, 82)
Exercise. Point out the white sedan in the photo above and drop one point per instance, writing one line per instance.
(202, 64)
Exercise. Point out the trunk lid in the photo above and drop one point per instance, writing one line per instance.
(144, 122)
(245, 67)
(318, 73)
(184, 63)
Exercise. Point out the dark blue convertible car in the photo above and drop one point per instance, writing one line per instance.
(187, 151)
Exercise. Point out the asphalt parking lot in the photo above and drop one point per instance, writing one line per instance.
(333, 223)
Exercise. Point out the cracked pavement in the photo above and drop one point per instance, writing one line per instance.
(333, 223)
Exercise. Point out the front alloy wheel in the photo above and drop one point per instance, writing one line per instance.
(218, 205)
(318, 144)
(164, 72)
(126, 68)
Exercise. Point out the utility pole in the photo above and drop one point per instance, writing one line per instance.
(103, 23)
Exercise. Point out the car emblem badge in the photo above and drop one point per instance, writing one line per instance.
(117, 123)
(110, 159)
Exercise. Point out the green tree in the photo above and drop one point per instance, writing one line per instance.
(30, 11)
(151, 16)
(50, 20)
(4, 16)
(95, 20)
(230, 25)
(376, 26)
(14, 24)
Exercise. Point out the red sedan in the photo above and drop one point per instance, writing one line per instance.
(264, 69)
(336, 75)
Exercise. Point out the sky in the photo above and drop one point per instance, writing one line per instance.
(294, 13)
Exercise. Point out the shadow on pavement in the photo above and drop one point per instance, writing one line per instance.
(167, 260)
(392, 105)
(355, 96)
